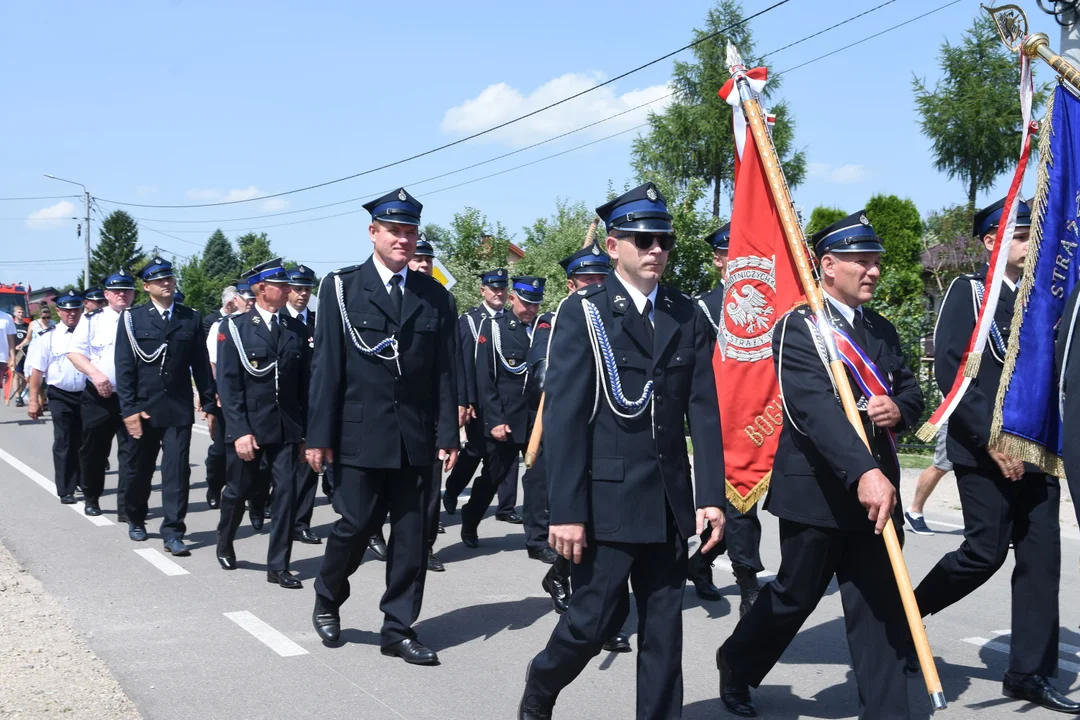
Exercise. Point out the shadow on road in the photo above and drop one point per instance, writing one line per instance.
(466, 624)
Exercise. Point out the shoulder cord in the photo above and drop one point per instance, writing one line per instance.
(472, 326)
(995, 332)
(161, 352)
(605, 365)
(822, 347)
(246, 364)
(390, 342)
(708, 315)
(496, 341)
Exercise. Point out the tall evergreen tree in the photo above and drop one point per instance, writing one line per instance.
(219, 260)
(972, 116)
(117, 247)
(693, 138)
(253, 248)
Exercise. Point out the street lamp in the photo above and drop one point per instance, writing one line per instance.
(86, 240)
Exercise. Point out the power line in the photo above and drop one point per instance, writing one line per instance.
(40, 261)
(507, 123)
(831, 27)
(41, 197)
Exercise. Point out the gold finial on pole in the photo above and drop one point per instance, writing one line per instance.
(1012, 27)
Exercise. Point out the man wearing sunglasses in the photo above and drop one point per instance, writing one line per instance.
(629, 362)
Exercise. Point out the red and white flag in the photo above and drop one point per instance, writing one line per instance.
(762, 286)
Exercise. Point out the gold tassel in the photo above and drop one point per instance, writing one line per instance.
(927, 433)
(1029, 451)
(743, 504)
(974, 361)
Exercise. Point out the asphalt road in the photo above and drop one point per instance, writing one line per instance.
(186, 639)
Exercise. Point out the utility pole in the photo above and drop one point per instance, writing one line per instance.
(1067, 15)
(87, 282)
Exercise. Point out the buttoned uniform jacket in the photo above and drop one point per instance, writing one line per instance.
(503, 396)
(628, 479)
(360, 406)
(820, 456)
(537, 359)
(969, 424)
(467, 342)
(250, 403)
(714, 302)
(162, 388)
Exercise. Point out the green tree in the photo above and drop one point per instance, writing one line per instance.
(899, 295)
(549, 240)
(693, 138)
(253, 248)
(219, 260)
(117, 247)
(949, 249)
(972, 116)
(823, 217)
(201, 291)
(467, 248)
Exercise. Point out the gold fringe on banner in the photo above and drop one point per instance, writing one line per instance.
(1000, 440)
(743, 504)
(928, 432)
(974, 362)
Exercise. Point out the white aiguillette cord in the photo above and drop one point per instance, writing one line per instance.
(148, 358)
(246, 364)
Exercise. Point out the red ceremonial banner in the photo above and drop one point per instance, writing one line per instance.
(762, 286)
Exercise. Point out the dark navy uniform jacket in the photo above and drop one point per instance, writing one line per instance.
(162, 388)
(250, 403)
(503, 396)
(820, 457)
(538, 360)
(628, 479)
(969, 424)
(360, 405)
(714, 301)
(467, 343)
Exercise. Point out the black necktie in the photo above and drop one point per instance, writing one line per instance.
(648, 322)
(858, 326)
(275, 329)
(165, 316)
(396, 296)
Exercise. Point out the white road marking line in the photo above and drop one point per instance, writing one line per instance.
(267, 635)
(50, 487)
(161, 562)
(201, 429)
(1062, 647)
(1004, 649)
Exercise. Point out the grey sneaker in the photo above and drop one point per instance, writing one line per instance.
(918, 524)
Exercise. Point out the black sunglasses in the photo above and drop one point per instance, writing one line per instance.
(644, 241)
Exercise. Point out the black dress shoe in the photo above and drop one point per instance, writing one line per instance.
(175, 546)
(326, 620)
(1037, 689)
(266, 511)
(307, 537)
(412, 652)
(377, 546)
(618, 643)
(434, 564)
(470, 541)
(68, 499)
(734, 694)
(441, 529)
(91, 508)
(544, 555)
(284, 578)
(121, 516)
(531, 707)
(136, 532)
(213, 500)
(257, 520)
(749, 589)
(699, 572)
(557, 588)
(449, 504)
(226, 559)
(511, 517)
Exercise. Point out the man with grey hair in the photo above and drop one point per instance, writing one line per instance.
(228, 307)
(215, 456)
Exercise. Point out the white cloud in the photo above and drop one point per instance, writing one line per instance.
(275, 204)
(141, 190)
(51, 217)
(501, 102)
(843, 175)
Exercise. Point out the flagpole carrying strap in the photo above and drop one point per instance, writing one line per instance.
(147, 358)
(365, 349)
(608, 372)
(234, 332)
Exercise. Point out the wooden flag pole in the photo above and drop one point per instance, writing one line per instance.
(797, 245)
(533, 448)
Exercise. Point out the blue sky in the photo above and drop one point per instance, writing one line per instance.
(181, 102)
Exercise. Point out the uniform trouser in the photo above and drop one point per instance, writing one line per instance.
(877, 632)
(741, 541)
(174, 444)
(499, 459)
(997, 512)
(101, 421)
(362, 497)
(468, 460)
(599, 607)
(534, 510)
(66, 414)
(431, 504)
(215, 457)
(244, 480)
(307, 486)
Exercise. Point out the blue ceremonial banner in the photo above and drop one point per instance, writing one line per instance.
(1026, 422)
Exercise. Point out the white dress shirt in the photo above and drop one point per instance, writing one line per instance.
(846, 312)
(266, 315)
(95, 337)
(639, 298)
(7, 327)
(386, 273)
(212, 340)
(302, 314)
(48, 355)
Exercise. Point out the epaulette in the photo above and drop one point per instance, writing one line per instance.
(238, 313)
(590, 290)
(339, 271)
(92, 313)
(676, 294)
(47, 330)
